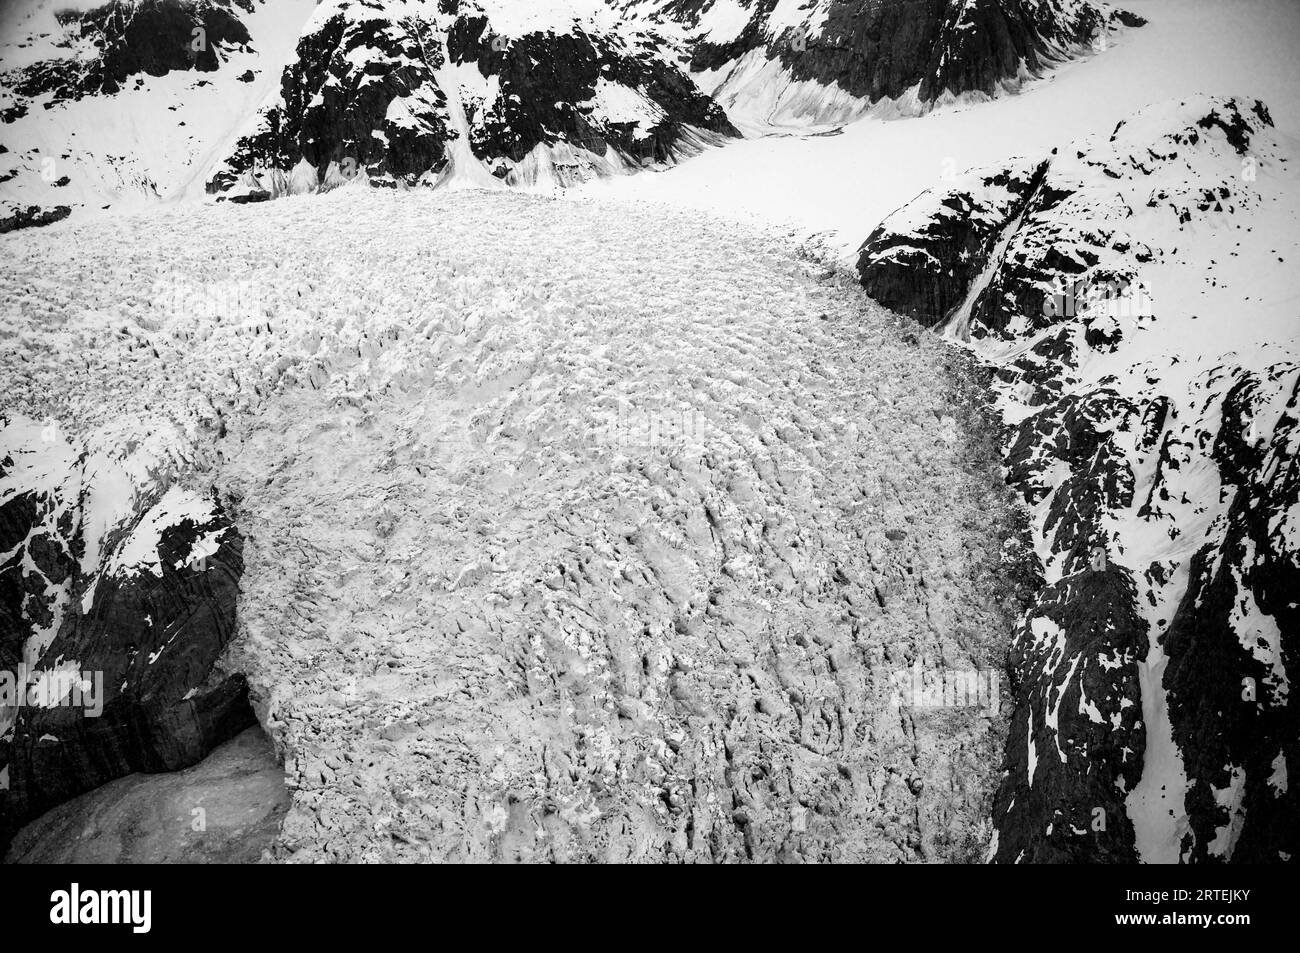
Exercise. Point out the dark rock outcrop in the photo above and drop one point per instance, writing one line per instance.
(548, 90)
(33, 216)
(360, 95)
(1234, 642)
(926, 273)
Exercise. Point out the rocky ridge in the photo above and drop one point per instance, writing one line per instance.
(467, 90)
(785, 62)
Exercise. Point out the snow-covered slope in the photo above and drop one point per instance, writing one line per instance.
(841, 186)
(126, 102)
(127, 105)
(1135, 293)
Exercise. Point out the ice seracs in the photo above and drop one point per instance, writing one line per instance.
(566, 530)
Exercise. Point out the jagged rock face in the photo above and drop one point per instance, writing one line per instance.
(108, 647)
(926, 270)
(574, 87)
(1076, 739)
(39, 520)
(1154, 668)
(392, 89)
(361, 94)
(1077, 736)
(864, 51)
(25, 602)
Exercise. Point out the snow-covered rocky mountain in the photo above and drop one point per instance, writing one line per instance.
(1130, 292)
(257, 99)
(86, 128)
(128, 102)
(795, 62)
(407, 91)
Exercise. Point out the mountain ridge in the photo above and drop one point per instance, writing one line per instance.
(277, 99)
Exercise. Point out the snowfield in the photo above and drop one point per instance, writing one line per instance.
(571, 530)
(153, 143)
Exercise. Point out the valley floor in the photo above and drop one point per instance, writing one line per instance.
(573, 530)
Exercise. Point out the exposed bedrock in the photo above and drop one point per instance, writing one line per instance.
(926, 273)
(546, 78)
(1228, 694)
(359, 95)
